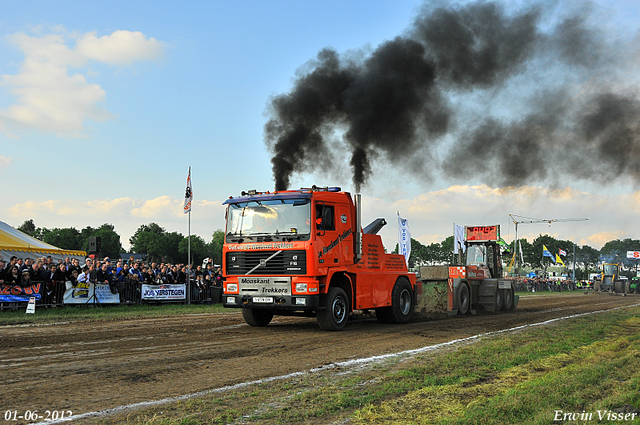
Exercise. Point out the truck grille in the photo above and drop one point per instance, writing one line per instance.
(284, 263)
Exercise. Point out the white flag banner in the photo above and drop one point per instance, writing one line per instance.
(404, 238)
(188, 196)
(521, 256)
(458, 239)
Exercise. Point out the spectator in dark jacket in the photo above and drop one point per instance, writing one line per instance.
(13, 276)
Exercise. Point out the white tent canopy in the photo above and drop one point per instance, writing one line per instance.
(14, 242)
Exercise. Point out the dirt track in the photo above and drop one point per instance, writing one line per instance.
(100, 365)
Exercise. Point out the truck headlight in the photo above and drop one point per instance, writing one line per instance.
(232, 287)
(231, 300)
(301, 287)
(301, 301)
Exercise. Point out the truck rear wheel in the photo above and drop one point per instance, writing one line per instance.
(257, 317)
(335, 316)
(401, 308)
(463, 300)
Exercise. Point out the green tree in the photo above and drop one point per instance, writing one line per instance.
(29, 228)
(65, 238)
(145, 228)
(109, 240)
(199, 249)
(149, 240)
(217, 241)
(172, 251)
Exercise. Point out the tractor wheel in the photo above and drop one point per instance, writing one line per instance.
(498, 300)
(401, 308)
(463, 300)
(507, 299)
(257, 317)
(335, 316)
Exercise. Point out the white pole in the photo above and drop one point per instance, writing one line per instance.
(189, 256)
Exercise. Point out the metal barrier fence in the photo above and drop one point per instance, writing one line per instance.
(52, 295)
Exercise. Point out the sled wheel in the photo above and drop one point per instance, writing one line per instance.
(498, 300)
(507, 299)
(463, 299)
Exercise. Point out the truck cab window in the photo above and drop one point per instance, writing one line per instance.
(324, 217)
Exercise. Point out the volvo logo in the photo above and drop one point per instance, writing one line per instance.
(263, 262)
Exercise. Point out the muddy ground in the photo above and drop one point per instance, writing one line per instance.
(87, 367)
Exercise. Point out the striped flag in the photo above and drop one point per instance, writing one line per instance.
(547, 253)
(563, 252)
(188, 195)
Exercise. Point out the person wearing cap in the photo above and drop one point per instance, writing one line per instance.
(107, 261)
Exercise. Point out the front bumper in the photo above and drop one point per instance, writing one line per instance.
(278, 302)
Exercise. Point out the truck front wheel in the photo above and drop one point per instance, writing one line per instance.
(335, 316)
(257, 317)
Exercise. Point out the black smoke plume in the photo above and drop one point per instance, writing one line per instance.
(534, 103)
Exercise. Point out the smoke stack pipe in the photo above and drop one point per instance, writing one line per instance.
(358, 236)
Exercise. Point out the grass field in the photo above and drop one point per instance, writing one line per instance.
(91, 313)
(580, 370)
(123, 312)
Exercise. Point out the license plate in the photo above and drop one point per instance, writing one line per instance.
(262, 299)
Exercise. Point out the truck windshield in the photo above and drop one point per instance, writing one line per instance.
(286, 218)
(610, 269)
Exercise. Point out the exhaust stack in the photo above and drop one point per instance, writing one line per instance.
(358, 236)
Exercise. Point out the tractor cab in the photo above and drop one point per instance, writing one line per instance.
(483, 251)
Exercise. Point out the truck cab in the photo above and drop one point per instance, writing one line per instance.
(303, 252)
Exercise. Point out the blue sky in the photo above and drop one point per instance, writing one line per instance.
(105, 106)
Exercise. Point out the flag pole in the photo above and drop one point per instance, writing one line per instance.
(189, 253)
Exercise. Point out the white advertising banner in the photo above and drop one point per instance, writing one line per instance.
(633, 255)
(458, 238)
(83, 292)
(164, 292)
(404, 238)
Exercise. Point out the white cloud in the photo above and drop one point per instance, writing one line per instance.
(121, 47)
(48, 97)
(5, 161)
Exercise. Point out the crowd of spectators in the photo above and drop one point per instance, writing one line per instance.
(124, 277)
(538, 284)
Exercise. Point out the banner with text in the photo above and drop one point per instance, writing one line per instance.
(164, 292)
(404, 238)
(16, 293)
(83, 294)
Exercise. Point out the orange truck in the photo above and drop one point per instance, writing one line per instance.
(304, 252)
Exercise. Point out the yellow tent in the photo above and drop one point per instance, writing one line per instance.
(14, 242)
